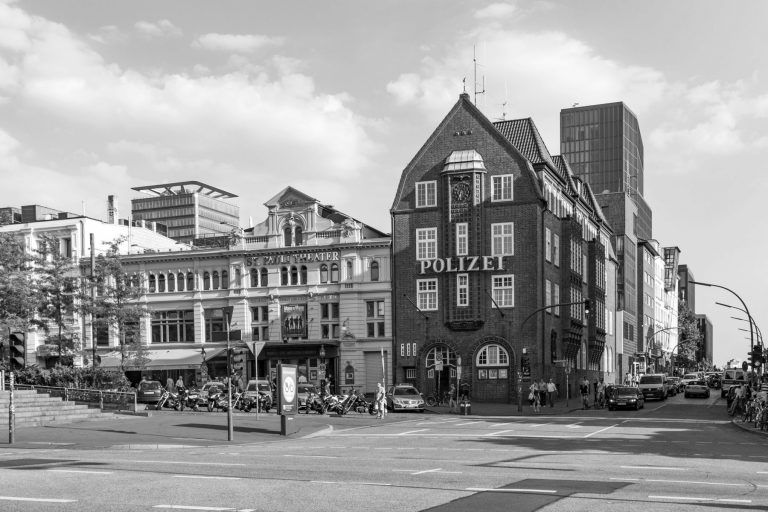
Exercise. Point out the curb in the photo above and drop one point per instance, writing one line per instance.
(747, 428)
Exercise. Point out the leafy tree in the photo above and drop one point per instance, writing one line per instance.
(19, 297)
(116, 304)
(58, 284)
(689, 338)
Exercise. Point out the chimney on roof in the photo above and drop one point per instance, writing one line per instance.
(112, 210)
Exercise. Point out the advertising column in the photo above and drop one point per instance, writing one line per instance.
(287, 402)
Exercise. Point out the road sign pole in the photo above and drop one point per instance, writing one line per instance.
(11, 413)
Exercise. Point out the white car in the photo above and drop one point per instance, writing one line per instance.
(688, 378)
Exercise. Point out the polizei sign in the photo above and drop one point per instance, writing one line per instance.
(462, 264)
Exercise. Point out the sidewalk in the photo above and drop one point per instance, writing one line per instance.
(502, 409)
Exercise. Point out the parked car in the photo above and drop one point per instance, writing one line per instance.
(654, 385)
(404, 397)
(627, 397)
(674, 384)
(259, 386)
(697, 388)
(149, 391)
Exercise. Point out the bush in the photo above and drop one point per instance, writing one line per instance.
(73, 377)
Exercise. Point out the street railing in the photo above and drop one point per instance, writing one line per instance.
(104, 399)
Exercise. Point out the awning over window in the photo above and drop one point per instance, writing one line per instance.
(165, 359)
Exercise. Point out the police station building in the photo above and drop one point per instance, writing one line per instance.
(490, 232)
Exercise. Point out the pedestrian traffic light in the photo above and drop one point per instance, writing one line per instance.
(18, 350)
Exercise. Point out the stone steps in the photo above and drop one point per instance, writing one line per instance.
(35, 409)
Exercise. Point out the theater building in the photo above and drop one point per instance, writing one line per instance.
(490, 233)
(309, 282)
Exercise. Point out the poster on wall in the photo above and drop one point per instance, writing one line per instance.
(295, 320)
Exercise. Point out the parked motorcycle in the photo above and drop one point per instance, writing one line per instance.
(217, 400)
(264, 401)
(356, 402)
(333, 404)
(315, 403)
(168, 399)
(189, 398)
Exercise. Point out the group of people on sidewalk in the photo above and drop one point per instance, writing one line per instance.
(542, 393)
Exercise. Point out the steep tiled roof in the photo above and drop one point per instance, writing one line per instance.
(524, 135)
(564, 170)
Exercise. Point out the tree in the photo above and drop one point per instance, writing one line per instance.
(57, 288)
(689, 338)
(19, 296)
(116, 304)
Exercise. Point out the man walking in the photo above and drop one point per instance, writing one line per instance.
(584, 389)
(551, 390)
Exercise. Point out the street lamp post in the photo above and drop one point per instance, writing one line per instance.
(746, 309)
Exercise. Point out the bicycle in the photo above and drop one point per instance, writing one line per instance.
(434, 399)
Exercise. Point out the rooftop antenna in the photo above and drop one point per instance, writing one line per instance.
(464, 84)
(474, 61)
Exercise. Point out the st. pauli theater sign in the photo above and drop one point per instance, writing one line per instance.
(256, 260)
(462, 264)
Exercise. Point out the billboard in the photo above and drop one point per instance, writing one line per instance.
(295, 320)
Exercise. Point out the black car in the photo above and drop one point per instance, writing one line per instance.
(149, 391)
(628, 397)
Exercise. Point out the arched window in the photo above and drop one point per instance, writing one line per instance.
(294, 275)
(334, 272)
(374, 271)
(254, 278)
(190, 281)
(152, 285)
(298, 235)
(349, 270)
(171, 282)
(443, 353)
(492, 355)
(161, 283)
(264, 277)
(287, 237)
(323, 273)
(303, 275)
(224, 279)
(284, 276)
(215, 279)
(180, 281)
(206, 281)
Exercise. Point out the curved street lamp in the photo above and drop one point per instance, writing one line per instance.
(746, 309)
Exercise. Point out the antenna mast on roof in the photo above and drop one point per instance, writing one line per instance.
(474, 61)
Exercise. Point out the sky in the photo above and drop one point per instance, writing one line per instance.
(334, 99)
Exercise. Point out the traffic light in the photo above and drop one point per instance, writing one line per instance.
(756, 356)
(238, 360)
(18, 350)
(586, 307)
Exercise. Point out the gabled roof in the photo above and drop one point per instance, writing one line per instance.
(289, 193)
(524, 135)
(465, 104)
(565, 172)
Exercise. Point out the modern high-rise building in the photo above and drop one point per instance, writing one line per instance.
(604, 146)
(189, 209)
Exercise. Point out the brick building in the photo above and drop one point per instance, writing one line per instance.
(490, 231)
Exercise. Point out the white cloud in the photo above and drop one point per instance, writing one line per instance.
(161, 28)
(262, 128)
(496, 11)
(235, 43)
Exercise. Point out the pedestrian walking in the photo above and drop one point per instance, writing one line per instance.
(584, 389)
(551, 390)
(381, 401)
(534, 398)
(452, 395)
(543, 392)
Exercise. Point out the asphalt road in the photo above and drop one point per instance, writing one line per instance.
(681, 455)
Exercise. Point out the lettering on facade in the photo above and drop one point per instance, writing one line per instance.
(462, 264)
(283, 259)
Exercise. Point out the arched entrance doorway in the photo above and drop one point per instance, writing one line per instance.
(440, 367)
(493, 371)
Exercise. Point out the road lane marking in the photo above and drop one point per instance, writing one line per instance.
(497, 433)
(654, 468)
(499, 425)
(692, 498)
(601, 430)
(485, 489)
(80, 471)
(189, 463)
(412, 432)
(311, 456)
(44, 500)
(468, 423)
(192, 507)
(679, 482)
(573, 425)
(349, 483)
(204, 477)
